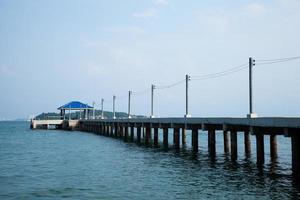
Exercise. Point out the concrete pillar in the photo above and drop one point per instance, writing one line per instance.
(126, 133)
(296, 156)
(138, 135)
(155, 136)
(176, 138)
(247, 143)
(131, 133)
(183, 137)
(195, 142)
(273, 146)
(233, 145)
(148, 135)
(226, 142)
(260, 149)
(165, 137)
(212, 142)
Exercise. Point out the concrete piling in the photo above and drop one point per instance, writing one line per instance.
(155, 137)
(183, 136)
(165, 137)
(212, 142)
(226, 143)
(233, 145)
(176, 135)
(247, 143)
(195, 140)
(138, 134)
(260, 149)
(273, 147)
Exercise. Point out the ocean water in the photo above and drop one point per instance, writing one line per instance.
(41, 164)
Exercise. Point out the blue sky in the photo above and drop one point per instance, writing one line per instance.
(52, 52)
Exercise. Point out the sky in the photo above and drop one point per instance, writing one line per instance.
(53, 52)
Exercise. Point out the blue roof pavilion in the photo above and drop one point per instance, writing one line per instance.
(80, 107)
(75, 105)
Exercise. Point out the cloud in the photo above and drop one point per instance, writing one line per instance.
(149, 13)
(255, 8)
(124, 29)
(161, 2)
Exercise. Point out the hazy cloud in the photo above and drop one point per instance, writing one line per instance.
(149, 13)
(255, 8)
(162, 2)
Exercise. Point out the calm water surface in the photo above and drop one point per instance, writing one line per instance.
(75, 165)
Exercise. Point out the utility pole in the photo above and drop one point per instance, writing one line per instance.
(251, 64)
(102, 114)
(187, 79)
(129, 102)
(152, 96)
(114, 114)
(93, 110)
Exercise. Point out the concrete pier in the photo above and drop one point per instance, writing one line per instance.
(259, 127)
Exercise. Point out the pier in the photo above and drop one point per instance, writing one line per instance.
(145, 131)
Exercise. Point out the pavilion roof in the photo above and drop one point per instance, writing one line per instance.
(75, 105)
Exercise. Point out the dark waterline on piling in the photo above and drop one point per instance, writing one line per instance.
(75, 165)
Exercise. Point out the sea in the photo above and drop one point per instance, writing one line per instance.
(54, 164)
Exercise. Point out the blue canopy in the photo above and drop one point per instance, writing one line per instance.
(75, 105)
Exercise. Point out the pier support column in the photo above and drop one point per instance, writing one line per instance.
(296, 156)
(176, 138)
(273, 146)
(233, 145)
(148, 135)
(183, 137)
(126, 133)
(155, 136)
(111, 130)
(138, 135)
(116, 131)
(195, 142)
(212, 142)
(247, 143)
(132, 133)
(225, 140)
(121, 131)
(260, 149)
(165, 137)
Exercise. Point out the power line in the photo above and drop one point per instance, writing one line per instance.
(170, 85)
(278, 59)
(222, 73)
(142, 92)
(265, 62)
